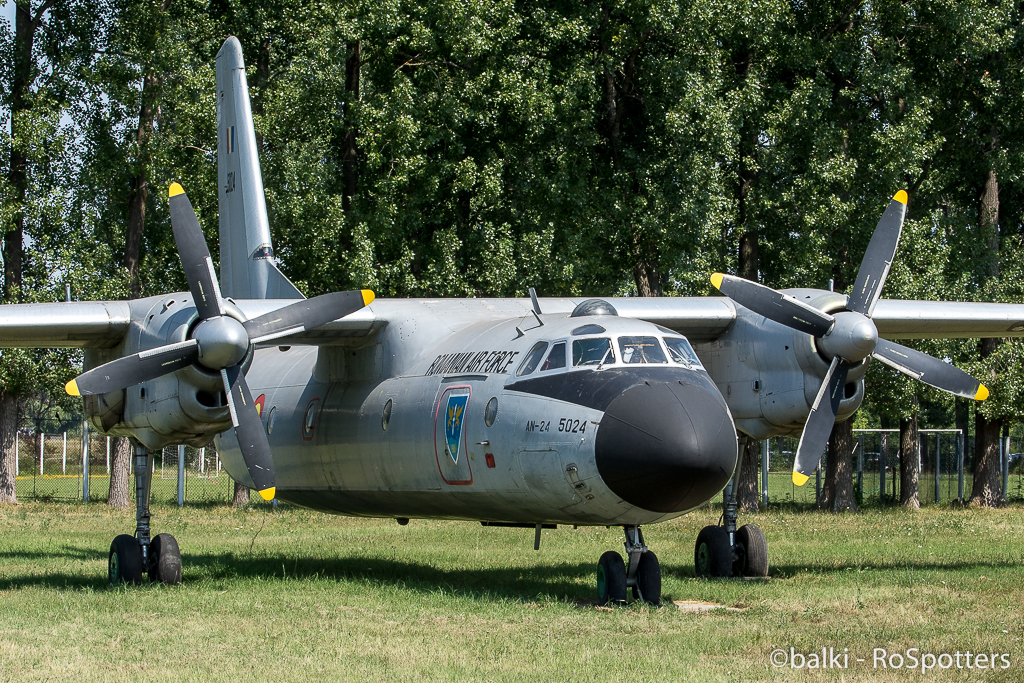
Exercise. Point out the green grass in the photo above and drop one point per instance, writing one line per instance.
(295, 595)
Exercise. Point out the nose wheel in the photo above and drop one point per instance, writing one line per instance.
(641, 572)
(725, 551)
(131, 557)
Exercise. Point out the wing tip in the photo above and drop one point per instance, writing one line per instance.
(982, 393)
(716, 280)
(175, 190)
(901, 197)
(799, 479)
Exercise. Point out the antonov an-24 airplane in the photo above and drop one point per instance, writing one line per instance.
(516, 412)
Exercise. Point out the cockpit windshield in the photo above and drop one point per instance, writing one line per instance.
(592, 352)
(641, 350)
(556, 359)
(681, 352)
(532, 359)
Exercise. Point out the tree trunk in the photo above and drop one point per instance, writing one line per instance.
(140, 185)
(349, 155)
(120, 462)
(837, 493)
(8, 452)
(241, 498)
(910, 463)
(746, 481)
(987, 488)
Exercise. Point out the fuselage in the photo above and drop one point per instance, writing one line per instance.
(594, 420)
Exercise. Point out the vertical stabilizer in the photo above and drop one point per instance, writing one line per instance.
(247, 269)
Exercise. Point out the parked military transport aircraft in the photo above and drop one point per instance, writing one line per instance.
(510, 412)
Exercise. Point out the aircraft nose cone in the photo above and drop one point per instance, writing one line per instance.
(666, 447)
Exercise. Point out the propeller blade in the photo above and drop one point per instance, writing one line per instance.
(306, 315)
(819, 423)
(194, 254)
(874, 267)
(929, 370)
(773, 305)
(134, 369)
(252, 439)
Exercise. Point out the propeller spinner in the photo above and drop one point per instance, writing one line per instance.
(219, 343)
(849, 336)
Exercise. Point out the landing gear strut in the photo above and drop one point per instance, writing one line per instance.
(642, 574)
(724, 551)
(131, 557)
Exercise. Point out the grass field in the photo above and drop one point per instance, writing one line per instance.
(295, 595)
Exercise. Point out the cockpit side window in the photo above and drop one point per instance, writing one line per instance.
(592, 352)
(680, 351)
(556, 359)
(641, 350)
(532, 359)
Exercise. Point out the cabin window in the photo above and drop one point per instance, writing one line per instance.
(592, 352)
(680, 351)
(556, 359)
(532, 359)
(641, 350)
(491, 411)
(587, 329)
(385, 418)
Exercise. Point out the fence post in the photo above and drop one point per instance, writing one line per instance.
(881, 468)
(64, 458)
(17, 458)
(960, 452)
(108, 456)
(764, 471)
(860, 464)
(85, 461)
(938, 463)
(181, 475)
(1004, 446)
(42, 440)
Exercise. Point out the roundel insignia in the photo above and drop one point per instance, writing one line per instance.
(259, 404)
(454, 415)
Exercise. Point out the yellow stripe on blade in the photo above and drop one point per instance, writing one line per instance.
(175, 190)
(368, 297)
(799, 479)
(716, 280)
(901, 197)
(268, 494)
(982, 393)
(72, 388)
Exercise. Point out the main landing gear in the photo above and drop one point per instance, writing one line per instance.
(724, 551)
(132, 557)
(642, 573)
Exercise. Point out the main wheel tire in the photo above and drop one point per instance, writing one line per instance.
(165, 560)
(611, 579)
(712, 556)
(125, 562)
(648, 579)
(755, 550)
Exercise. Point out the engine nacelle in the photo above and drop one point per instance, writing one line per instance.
(770, 374)
(187, 406)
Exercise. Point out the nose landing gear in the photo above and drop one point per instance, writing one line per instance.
(643, 573)
(131, 557)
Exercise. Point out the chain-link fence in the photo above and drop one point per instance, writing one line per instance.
(51, 466)
(946, 464)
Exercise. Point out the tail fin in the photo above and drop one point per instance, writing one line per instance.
(247, 269)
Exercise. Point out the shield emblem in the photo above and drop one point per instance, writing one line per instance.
(454, 416)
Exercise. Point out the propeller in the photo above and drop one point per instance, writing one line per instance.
(218, 342)
(849, 336)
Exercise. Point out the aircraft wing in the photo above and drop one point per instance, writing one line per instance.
(103, 324)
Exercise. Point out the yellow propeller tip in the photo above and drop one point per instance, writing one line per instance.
(268, 494)
(982, 393)
(901, 197)
(175, 190)
(716, 280)
(799, 479)
(368, 297)
(72, 388)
